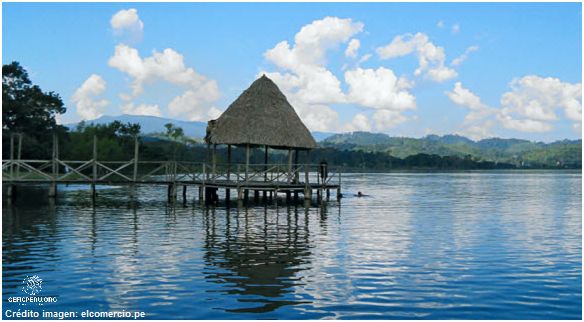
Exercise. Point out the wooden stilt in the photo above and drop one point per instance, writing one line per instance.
(296, 173)
(19, 154)
(10, 191)
(12, 156)
(52, 190)
(228, 191)
(214, 161)
(136, 150)
(246, 162)
(290, 176)
(173, 187)
(184, 193)
(256, 196)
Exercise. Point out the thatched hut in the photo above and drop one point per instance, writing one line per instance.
(260, 117)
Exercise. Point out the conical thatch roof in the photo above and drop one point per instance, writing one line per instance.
(261, 115)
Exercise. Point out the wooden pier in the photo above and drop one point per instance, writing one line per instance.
(261, 117)
(237, 180)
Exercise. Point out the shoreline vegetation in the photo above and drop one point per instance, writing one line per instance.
(31, 114)
(116, 142)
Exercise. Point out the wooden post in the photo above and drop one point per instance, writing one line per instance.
(289, 165)
(214, 160)
(184, 193)
(19, 154)
(93, 192)
(53, 186)
(228, 191)
(136, 150)
(171, 192)
(246, 161)
(339, 194)
(12, 156)
(56, 156)
(256, 196)
(265, 169)
(201, 194)
(296, 174)
(307, 190)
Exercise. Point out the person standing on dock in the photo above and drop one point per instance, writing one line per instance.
(323, 171)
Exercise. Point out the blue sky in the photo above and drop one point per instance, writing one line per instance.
(406, 73)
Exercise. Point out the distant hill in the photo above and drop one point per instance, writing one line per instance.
(514, 151)
(153, 124)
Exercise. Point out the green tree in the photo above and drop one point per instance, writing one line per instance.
(27, 109)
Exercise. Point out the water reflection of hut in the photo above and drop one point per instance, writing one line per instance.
(261, 117)
(258, 256)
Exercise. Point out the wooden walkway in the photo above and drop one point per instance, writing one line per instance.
(241, 178)
(208, 177)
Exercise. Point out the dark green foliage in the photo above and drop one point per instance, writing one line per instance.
(27, 109)
(115, 141)
(521, 153)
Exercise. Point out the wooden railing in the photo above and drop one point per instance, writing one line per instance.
(133, 171)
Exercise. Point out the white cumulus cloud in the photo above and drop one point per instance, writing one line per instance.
(167, 66)
(378, 88)
(89, 107)
(353, 48)
(360, 122)
(304, 78)
(127, 22)
(431, 58)
(458, 60)
(533, 101)
(477, 123)
(530, 105)
(141, 109)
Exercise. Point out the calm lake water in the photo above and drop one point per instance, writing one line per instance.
(477, 245)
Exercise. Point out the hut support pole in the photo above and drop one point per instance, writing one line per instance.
(307, 190)
(265, 170)
(246, 161)
(289, 165)
(228, 191)
(214, 160)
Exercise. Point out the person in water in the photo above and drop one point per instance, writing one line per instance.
(360, 194)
